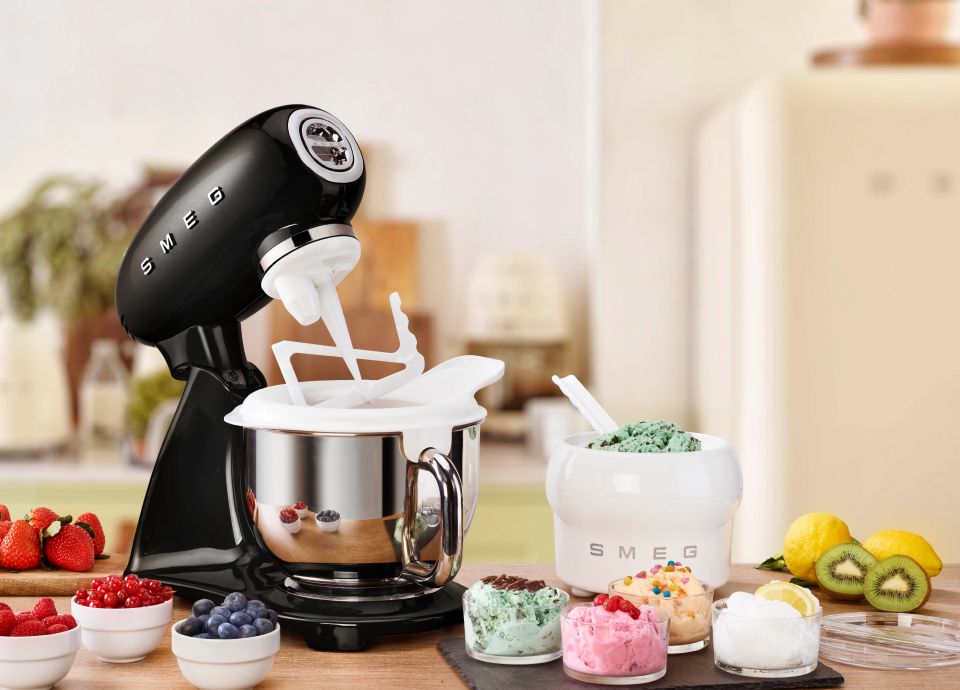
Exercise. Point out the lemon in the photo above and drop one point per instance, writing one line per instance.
(808, 538)
(798, 597)
(895, 542)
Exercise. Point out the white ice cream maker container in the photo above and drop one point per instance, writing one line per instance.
(618, 513)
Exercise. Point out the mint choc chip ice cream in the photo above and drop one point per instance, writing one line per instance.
(647, 437)
(511, 616)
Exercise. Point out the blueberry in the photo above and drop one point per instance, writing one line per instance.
(205, 636)
(240, 618)
(263, 626)
(248, 631)
(220, 611)
(272, 616)
(228, 632)
(214, 622)
(190, 627)
(203, 619)
(201, 607)
(235, 601)
(256, 610)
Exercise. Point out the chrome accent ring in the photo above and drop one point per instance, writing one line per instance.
(321, 232)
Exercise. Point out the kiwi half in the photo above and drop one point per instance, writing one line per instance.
(842, 569)
(897, 584)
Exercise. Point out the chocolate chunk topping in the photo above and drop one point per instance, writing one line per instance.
(513, 583)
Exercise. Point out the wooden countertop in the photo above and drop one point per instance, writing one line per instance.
(412, 661)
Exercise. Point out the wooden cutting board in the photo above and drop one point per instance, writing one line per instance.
(57, 583)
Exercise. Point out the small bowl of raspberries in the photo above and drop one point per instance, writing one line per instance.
(37, 646)
(123, 618)
(301, 509)
(290, 519)
(227, 646)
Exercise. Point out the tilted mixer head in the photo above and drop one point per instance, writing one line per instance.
(264, 213)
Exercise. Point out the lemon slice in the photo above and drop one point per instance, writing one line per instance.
(798, 597)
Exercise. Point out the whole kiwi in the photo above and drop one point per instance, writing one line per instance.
(841, 571)
(897, 584)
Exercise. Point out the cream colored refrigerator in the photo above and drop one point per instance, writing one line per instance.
(827, 269)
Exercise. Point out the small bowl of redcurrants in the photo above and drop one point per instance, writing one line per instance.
(123, 619)
(228, 646)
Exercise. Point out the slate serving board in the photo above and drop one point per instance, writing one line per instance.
(694, 671)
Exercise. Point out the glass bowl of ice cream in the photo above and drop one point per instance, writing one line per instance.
(673, 588)
(512, 620)
(613, 642)
(772, 634)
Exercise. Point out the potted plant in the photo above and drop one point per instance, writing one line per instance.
(61, 249)
(907, 22)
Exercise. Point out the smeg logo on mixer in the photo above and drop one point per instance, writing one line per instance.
(629, 553)
(191, 219)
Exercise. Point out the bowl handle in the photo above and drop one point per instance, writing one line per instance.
(451, 521)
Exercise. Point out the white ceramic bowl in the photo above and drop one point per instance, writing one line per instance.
(225, 664)
(31, 663)
(329, 526)
(122, 636)
(292, 527)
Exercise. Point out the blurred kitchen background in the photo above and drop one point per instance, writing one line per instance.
(741, 215)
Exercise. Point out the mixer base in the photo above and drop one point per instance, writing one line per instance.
(336, 626)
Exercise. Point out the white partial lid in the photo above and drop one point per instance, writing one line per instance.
(425, 411)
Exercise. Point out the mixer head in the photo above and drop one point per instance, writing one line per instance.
(265, 212)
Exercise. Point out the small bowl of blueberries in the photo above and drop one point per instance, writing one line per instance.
(230, 646)
(328, 520)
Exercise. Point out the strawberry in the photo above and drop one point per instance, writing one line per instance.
(61, 619)
(40, 518)
(44, 609)
(58, 628)
(29, 629)
(71, 549)
(8, 622)
(4, 513)
(4, 528)
(20, 548)
(93, 522)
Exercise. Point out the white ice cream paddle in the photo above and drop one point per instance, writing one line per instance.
(588, 406)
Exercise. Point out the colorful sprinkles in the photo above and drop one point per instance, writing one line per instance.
(663, 586)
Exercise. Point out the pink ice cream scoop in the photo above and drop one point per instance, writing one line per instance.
(597, 642)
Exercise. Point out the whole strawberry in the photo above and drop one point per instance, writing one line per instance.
(4, 513)
(99, 540)
(41, 518)
(71, 549)
(20, 548)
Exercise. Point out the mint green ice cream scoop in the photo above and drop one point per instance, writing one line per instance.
(655, 436)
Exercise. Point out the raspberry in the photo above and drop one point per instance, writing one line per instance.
(62, 619)
(26, 616)
(58, 628)
(8, 621)
(29, 629)
(4, 607)
(44, 609)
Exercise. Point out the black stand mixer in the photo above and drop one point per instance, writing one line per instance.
(286, 180)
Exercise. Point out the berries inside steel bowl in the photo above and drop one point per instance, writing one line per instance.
(328, 516)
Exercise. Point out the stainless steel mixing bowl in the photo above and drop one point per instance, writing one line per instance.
(401, 520)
